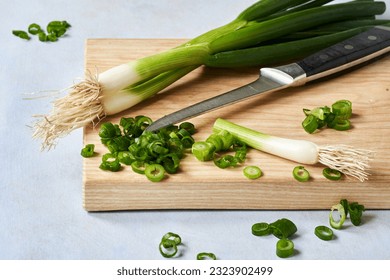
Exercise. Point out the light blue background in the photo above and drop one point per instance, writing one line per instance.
(41, 214)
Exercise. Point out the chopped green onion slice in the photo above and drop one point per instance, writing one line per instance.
(155, 172)
(284, 248)
(324, 233)
(126, 157)
(337, 224)
(342, 109)
(168, 248)
(310, 124)
(203, 151)
(283, 228)
(226, 161)
(172, 236)
(88, 150)
(187, 141)
(110, 163)
(341, 125)
(301, 174)
(331, 174)
(216, 141)
(21, 34)
(227, 139)
(355, 213)
(252, 172)
(188, 126)
(261, 229)
(139, 167)
(170, 162)
(206, 256)
(344, 202)
(34, 29)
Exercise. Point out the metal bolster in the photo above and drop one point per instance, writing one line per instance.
(290, 74)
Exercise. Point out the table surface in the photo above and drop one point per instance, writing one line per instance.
(41, 213)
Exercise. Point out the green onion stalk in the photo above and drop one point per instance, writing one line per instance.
(348, 160)
(260, 25)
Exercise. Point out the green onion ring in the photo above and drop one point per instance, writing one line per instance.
(310, 124)
(206, 256)
(331, 174)
(301, 174)
(284, 248)
(168, 248)
(324, 233)
(337, 224)
(155, 172)
(252, 172)
(261, 229)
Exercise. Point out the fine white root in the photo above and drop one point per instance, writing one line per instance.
(80, 107)
(348, 160)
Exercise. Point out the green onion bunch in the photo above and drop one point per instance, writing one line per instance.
(150, 153)
(267, 33)
(336, 117)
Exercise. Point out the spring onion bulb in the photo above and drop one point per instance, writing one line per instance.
(348, 160)
(123, 86)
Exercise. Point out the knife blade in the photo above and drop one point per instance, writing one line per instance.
(349, 53)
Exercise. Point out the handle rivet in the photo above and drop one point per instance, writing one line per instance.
(372, 38)
(348, 47)
(324, 56)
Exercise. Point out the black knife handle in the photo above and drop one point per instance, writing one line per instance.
(346, 52)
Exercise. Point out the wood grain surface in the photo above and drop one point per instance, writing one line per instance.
(201, 185)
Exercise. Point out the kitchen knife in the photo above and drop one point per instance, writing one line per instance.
(351, 52)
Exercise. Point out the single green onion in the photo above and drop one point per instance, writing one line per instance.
(88, 150)
(203, 151)
(155, 172)
(338, 223)
(206, 256)
(261, 229)
(284, 248)
(331, 174)
(324, 233)
(338, 157)
(301, 174)
(252, 172)
(283, 228)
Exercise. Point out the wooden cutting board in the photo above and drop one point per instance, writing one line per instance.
(201, 185)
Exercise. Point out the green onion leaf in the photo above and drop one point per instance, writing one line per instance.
(21, 34)
(355, 213)
(324, 233)
(283, 228)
